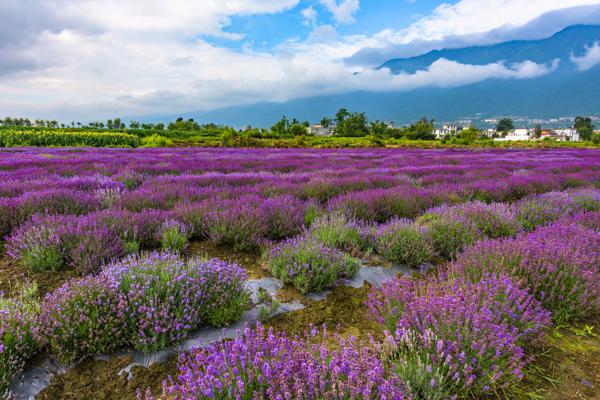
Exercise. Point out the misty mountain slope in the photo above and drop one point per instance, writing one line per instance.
(562, 45)
(566, 91)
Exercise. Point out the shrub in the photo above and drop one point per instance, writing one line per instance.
(543, 209)
(19, 337)
(381, 205)
(88, 244)
(450, 234)
(309, 265)
(54, 242)
(156, 141)
(196, 216)
(37, 245)
(403, 242)
(549, 207)
(457, 339)
(337, 231)
(589, 220)
(238, 224)
(168, 297)
(492, 220)
(284, 216)
(262, 364)
(142, 228)
(173, 236)
(83, 318)
(559, 264)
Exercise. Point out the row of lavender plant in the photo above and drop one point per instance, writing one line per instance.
(147, 302)
(469, 331)
(373, 185)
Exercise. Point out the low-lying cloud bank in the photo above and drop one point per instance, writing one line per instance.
(87, 59)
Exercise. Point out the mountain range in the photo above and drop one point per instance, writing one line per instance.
(568, 88)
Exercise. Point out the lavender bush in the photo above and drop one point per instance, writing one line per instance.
(37, 245)
(559, 264)
(336, 231)
(403, 242)
(549, 207)
(457, 339)
(83, 318)
(167, 297)
(450, 234)
(52, 243)
(237, 224)
(261, 364)
(309, 265)
(589, 220)
(284, 216)
(19, 336)
(173, 236)
(380, 205)
(492, 220)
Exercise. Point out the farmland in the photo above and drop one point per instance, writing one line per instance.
(336, 273)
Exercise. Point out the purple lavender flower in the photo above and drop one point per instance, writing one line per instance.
(262, 364)
(462, 336)
(167, 297)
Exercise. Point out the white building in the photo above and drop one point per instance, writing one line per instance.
(447, 130)
(567, 135)
(319, 130)
(518, 135)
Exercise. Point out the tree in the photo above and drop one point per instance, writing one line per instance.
(134, 125)
(537, 131)
(505, 125)
(584, 127)
(421, 130)
(379, 129)
(280, 127)
(117, 124)
(297, 130)
(326, 122)
(182, 125)
(470, 134)
(351, 124)
(341, 115)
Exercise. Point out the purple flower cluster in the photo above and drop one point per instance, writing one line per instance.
(337, 231)
(559, 264)
(454, 338)
(173, 235)
(549, 207)
(241, 197)
(492, 220)
(261, 364)
(84, 317)
(166, 297)
(19, 336)
(403, 242)
(380, 205)
(309, 265)
(53, 242)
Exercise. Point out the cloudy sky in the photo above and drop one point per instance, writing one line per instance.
(94, 59)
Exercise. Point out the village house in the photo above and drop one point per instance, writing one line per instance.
(517, 135)
(447, 130)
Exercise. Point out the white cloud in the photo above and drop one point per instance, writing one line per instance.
(343, 10)
(475, 22)
(310, 15)
(104, 58)
(590, 59)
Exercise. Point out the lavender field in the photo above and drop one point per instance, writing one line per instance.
(414, 274)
